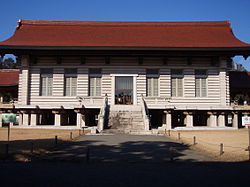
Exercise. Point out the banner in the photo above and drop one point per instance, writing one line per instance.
(8, 118)
(245, 120)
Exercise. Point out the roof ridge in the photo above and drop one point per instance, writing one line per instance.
(124, 23)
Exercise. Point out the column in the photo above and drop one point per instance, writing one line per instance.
(235, 120)
(25, 79)
(168, 120)
(221, 119)
(25, 119)
(1, 124)
(33, 119)
(189, 119)
(79, 120)
(83, 120)
(212, 119)
(20, 119)
(57, 119)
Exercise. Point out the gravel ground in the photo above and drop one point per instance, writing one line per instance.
(21, 140)
(235, 142)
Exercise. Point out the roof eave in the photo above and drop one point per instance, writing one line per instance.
(5, 49)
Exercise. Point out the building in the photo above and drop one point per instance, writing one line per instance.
(239, 87)
(128, 76)
(8, 85)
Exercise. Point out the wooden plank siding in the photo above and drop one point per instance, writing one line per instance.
(217, 80)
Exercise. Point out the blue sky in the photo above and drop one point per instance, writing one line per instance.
(236, 11)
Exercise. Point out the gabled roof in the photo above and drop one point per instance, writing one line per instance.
(196, 34)
(9, 77)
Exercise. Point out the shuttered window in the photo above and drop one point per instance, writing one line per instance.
(177, 83)
(46, 82)
(153, 82)
(200, 83)
(95, 82)
(70, 82)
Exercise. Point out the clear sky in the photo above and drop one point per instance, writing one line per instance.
(236, 11)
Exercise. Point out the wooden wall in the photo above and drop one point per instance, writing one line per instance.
(217, 81)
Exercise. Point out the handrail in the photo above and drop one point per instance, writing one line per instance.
(145, 113)
(102, 114)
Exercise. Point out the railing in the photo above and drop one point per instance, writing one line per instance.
(91, 100)
(157, 100)
(145, 113)
(102, 115)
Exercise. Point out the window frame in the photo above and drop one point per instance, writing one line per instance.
(201, 77)
(96, 75)
(70, 73)
(46, 74)
(154, 74)
(176, 77)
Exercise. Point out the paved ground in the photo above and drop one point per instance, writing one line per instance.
(126, 148)
(123, 160)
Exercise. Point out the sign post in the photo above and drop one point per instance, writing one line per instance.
(8, 118)
(246, 122)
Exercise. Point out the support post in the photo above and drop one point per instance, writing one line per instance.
(235, 120)
(189, 119)
(83, 120)
(221, 119)
(212, 119)
(57, 119)
(78, 119)
(1, 118)
(168, 119)
(25, 79)
(26, 119)
(33, 119)
(20, 120)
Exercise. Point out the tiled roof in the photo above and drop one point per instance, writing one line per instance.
(123, 34)
(9, 77)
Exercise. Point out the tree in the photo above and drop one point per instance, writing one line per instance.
(8, 63)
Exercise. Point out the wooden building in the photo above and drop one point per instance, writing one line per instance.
(8, 85)
(128, 76)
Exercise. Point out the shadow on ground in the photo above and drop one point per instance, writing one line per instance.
(128, 163)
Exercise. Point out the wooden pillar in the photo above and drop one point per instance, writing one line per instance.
(78, 120)
(1, 118)
(212, 119)
(235, 120)
(189, 119)
(20, 120)
(168, 119)
(26, 118)
(58, 118)
(25, 79)
(33, 118)
(221, 119)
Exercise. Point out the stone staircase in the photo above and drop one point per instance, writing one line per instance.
(126, 119)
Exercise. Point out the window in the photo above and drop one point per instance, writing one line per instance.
(95, 82)
(200, 83)
(152, 82)
(70, 82)
(177, 83)
(46, 82)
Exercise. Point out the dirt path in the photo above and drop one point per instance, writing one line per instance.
(127, 148)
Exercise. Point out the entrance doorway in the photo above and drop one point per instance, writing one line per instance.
(124, 90)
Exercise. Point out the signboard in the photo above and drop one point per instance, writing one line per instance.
(8, 118)
(245, 120)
